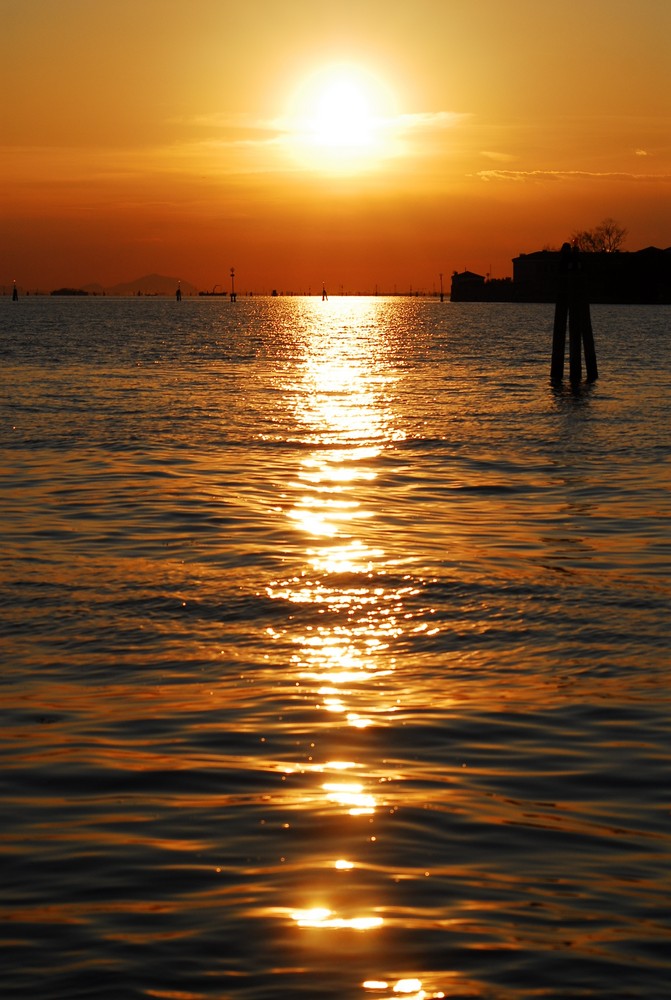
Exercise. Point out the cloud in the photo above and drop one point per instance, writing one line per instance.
(239, 143)
(236, 130)
(427, 120)
(641, 152)
(520, 176)
(498, 157)
(240, 128)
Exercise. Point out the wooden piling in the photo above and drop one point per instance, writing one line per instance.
(575, 322)
(588, 344)
(561, 315)
(572, 304)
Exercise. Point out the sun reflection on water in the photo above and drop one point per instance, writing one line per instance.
(342, 662)
(350, 794)
(409, 988)
(322, 917)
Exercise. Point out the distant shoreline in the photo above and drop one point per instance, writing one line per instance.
(619, 277)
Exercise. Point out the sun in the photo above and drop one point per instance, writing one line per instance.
(339, 120)
(343, 117)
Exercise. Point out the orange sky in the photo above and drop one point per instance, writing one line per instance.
(358, 144)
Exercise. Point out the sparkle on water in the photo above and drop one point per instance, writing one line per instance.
(336, 662)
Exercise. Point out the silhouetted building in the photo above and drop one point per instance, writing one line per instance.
(467, 287)
(643, 276)
(470, 287)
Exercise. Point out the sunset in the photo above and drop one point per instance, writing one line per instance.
(335, 581)
(359, 145)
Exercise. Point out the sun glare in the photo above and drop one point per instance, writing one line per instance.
(343, 116)
(339, 121)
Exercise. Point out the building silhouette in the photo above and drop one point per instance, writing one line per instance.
(641, 276)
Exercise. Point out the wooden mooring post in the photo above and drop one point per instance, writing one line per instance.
(572, 305)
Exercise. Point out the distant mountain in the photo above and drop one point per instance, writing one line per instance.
(150, 284)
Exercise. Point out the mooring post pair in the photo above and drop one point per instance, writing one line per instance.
(572, 304)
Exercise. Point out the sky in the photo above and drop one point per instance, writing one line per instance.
(363, 145)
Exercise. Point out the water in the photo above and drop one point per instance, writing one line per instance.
(336, 652)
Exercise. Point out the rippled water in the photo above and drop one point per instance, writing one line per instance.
(336, 652)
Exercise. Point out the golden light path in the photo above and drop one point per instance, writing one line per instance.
(343, 402)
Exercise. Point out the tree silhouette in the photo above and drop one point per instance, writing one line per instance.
(607, 237)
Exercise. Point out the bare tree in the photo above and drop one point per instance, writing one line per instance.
(607, 237)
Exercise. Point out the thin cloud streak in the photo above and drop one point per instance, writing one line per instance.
(499, 157)
(520, 176)
(285, 142)
(429, 120)
(239, 126)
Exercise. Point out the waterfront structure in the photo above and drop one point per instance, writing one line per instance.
(641, 276)
(467, 286)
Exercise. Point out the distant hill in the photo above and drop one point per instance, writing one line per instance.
(150, 284)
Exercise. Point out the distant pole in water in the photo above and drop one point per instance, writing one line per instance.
(572, 305)
(442, 297)
(15, 293)
(233, 292)
(178, 293)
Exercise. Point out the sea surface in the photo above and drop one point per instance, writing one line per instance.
(335, 652)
